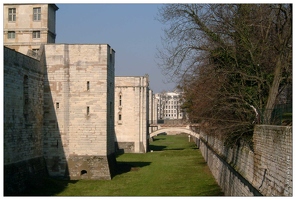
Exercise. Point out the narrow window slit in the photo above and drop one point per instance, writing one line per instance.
(87, 85)
(87, 110)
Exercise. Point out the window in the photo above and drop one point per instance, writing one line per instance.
(11, 14)
(87, 85)
(11, 34)
(119, 117)
(120, 100)
(37, 14)
(36, 34)
(57, 105)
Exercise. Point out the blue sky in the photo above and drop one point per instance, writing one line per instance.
(130, 29)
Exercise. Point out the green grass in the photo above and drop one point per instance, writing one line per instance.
(174, 168)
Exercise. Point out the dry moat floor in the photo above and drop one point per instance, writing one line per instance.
(174, 168)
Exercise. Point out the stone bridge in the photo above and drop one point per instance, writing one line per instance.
(175, 129)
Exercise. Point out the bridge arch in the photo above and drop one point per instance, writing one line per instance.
(175, 129)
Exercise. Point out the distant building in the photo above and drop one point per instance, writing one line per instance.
(169, 105)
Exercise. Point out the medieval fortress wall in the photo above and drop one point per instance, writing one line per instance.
(23, 121)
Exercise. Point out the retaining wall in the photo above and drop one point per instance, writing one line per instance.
(240, 171)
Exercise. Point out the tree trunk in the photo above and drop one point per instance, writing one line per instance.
(273, 92)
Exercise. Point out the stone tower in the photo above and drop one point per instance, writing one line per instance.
(131, 113)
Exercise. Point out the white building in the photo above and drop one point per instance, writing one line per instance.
(169, 105)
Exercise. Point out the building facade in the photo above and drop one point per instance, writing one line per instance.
(29, 26)
(169, 105)
(132, 113)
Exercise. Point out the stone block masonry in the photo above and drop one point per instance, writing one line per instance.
(23, 121)
(240, 171)
(273, 158)
(79, 114)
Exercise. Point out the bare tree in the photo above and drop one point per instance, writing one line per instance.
(232, 61)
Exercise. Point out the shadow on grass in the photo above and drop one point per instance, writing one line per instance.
(124, 167)
(156, 147)
(50, 187)
(175, 149)
(164, 148)
(155, 139)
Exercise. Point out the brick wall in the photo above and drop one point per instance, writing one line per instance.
(240, 171)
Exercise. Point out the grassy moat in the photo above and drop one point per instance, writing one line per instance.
(175, 167)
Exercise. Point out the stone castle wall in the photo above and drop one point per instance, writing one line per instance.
(240, 171)
(23, 121)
